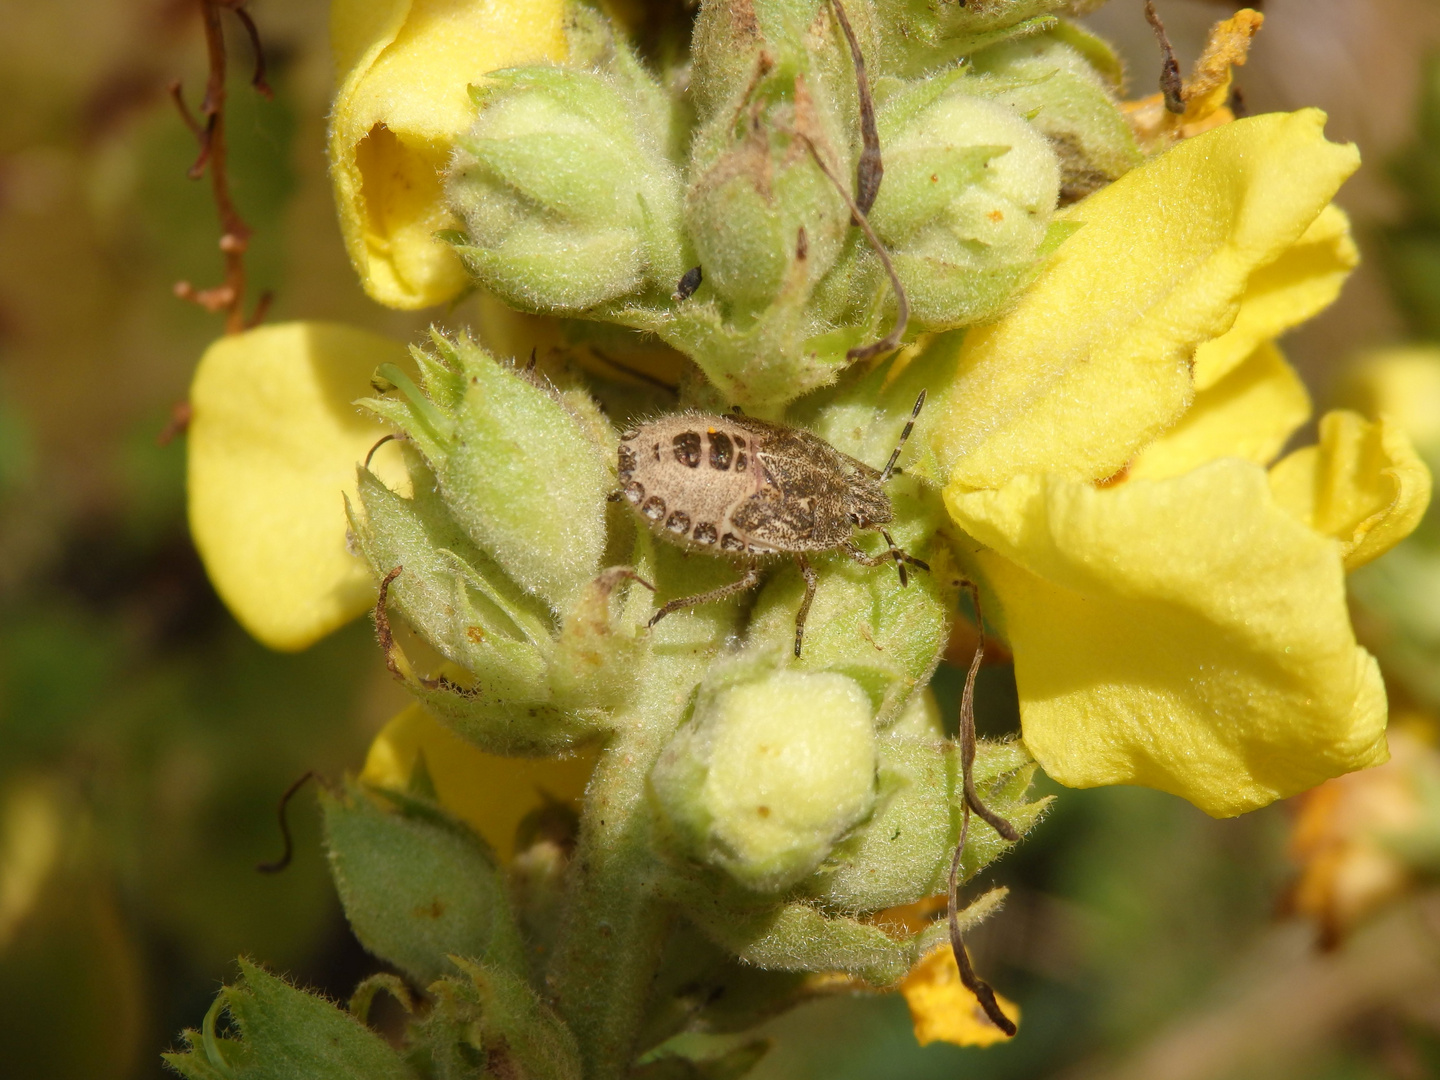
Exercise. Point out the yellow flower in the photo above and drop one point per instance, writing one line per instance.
(1398, 596)
(1177, 613)
(942, 1010)
(405, 67)
(273, 445)
(490, 794)
(1402, 384)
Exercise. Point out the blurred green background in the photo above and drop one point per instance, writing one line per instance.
(144, 739)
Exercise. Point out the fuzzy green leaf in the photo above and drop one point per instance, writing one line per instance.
(285, 1033)
(418, 889)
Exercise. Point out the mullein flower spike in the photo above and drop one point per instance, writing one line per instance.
(1095, 330)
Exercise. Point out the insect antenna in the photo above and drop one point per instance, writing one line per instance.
(889, 470)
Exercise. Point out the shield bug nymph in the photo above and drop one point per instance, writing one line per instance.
(752, 491)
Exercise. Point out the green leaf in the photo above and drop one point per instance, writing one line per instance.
(417, 889)
(285, 1033)
(701, 987)
(799, 937)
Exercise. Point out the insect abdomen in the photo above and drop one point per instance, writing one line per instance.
(686, 474)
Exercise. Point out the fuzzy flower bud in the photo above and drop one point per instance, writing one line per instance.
(935, 33)
(728, 39)
(487, 432)
(566, 193)
(1053, 79)
(759, 212)
(769, 775)
(965, 207)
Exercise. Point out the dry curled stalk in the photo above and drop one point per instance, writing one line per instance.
(209, 132)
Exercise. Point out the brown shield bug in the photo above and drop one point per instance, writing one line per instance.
(749, 490)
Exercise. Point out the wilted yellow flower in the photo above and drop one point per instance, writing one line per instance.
(1344, 833)
(405, 68)
(1206, 93)
(1177, 614)
(942, 1010)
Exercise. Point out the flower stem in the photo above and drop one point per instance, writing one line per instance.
(615, 923)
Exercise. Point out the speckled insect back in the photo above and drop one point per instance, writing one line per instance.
(748, 489)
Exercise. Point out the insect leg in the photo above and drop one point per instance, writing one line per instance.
(976, 985)
(867, 178)
(876, 560)
(749, 581)
(810, 578)
(893, 339)
(899, 559)
(863, 559)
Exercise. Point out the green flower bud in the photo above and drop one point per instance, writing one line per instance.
(769, 774)
(729, 37)
(500, 544)
(1048, 78)
(517, 468)
(566, 193)
(760, 213)
(524, 690)
(929, 34)
(965, 207)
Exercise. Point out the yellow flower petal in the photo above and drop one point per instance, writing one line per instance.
(942, 1010)
(273, 445)
(1402, 385)
(1249, 414)
(1362, 484)
(1184, 634)
(1094, 361)
(406, 66)
(491, 794)
(1301, 283)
